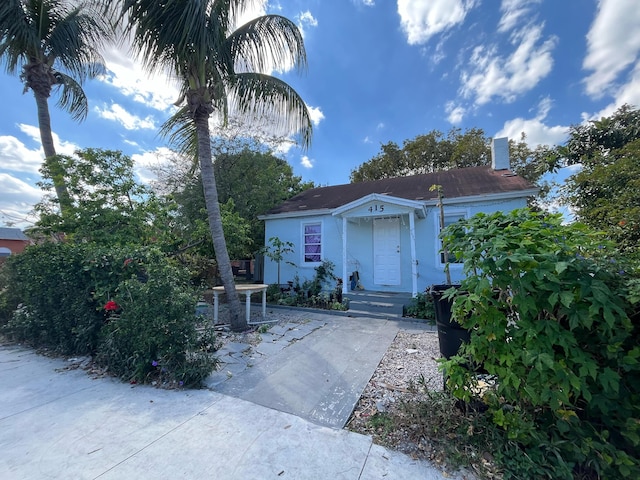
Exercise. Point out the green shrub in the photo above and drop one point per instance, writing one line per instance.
(555, 322)
(152, 336)
(58, 309)
(421, 306)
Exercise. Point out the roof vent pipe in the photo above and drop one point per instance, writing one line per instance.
(500, 154)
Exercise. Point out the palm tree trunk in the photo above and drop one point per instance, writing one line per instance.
(51, 158)
(238, 322)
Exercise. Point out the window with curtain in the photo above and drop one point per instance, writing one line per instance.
(312, 242)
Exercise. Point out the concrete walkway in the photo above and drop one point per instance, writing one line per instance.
(320, 377)
(57, 422)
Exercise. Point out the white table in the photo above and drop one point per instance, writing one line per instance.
(247, 290)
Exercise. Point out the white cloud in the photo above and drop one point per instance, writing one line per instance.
(422, 19)
(514, 12)
(613, 44)
(17, 199)
(367, 139)
(305, 20)
(491, 75)
(16, 157)
(316, 115)
(380, 126)
(455, 113)
(306, 162)
(129, 121)
(128, 76)
(145, 162)
(536, 131)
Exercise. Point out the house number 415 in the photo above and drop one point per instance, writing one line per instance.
(376, 208)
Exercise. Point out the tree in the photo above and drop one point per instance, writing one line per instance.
(52, 44)
(219, 68)
(604, 193)
(249, 177)
(427, 153)
(106, 204)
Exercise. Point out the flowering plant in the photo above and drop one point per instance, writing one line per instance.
(111, 306)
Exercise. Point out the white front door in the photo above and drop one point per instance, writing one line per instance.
(386, 251)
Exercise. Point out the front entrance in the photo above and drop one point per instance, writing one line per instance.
(386, 251)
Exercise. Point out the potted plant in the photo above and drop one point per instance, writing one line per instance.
(450, 333)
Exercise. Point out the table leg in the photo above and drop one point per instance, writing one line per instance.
(215, 307)
(264, 304)
(248, 302)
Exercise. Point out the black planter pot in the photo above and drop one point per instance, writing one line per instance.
(450, 333)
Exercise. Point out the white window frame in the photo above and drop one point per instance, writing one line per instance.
(303, 260)
(459, 214)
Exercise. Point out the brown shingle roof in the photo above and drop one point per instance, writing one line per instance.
(463, 182)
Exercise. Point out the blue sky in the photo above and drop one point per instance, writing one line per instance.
(379, 71)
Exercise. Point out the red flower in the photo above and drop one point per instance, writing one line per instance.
(127, 261)
(111, 306)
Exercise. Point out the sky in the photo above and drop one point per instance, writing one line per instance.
(378, 71)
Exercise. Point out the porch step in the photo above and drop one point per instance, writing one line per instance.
(377, 304)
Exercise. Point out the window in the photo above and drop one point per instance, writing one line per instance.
(312, 233)
(448, 220)
(4, 252)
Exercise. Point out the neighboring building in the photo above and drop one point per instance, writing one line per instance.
(12, 241)
(387, 230)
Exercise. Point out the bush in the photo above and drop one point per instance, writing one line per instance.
(421, 306)
(555, 322)
(152, 336)
(147, 333)
(58, 309)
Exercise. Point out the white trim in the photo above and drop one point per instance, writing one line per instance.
(345, 274)
(414, 205)
(414, 261)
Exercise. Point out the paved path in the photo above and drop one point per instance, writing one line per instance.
(320, 377)
(57, 423)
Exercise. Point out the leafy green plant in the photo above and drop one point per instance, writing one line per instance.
(554, 323)
(154, 335)
(58, 309)
(421, 306)
(132, 308)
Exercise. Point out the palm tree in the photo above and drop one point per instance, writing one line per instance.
(52, 44)
(219, 68)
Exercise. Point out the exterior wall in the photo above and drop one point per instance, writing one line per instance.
(291, 230)
(16, 246)
(360, 245)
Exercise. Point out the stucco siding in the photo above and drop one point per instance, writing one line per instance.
(360, 244)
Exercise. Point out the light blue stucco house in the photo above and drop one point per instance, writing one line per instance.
(387, 230)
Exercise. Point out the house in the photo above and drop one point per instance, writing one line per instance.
(387, 230)
(12, 241)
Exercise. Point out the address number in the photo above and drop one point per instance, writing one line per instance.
(378, 207)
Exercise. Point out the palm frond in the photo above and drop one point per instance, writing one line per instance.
(267, 43)
(181, 132)
(17, 35)
(72, 97)
(256, 95)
